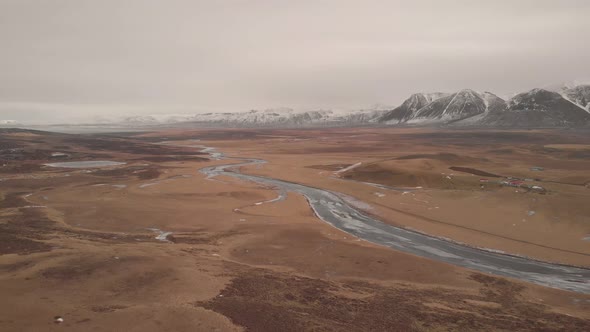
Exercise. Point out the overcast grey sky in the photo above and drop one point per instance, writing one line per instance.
(69, 59)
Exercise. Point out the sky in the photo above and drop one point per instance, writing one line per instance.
(74, 60)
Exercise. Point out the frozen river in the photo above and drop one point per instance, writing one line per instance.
(334, 210)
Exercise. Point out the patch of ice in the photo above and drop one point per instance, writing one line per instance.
(161, 235)
(280, 197)
(85, 164)
(355, 202)
(348, 168)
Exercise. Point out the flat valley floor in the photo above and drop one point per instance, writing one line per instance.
(152, 244)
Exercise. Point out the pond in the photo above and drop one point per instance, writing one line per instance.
(86, 164)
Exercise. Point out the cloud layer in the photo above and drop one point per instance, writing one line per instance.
(66, 59)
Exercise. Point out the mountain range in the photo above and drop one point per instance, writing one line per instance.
(562, 106)
(567, 107)
(559, 106)
(281, 117)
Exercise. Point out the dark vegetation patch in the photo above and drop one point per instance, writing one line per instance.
(29, 131)
(443, 156)
(87, 267)
(12, 200)
(22, 154)
(11, 243)
(498, 289)
(501, 151)
(142, 281)
(579, 155)
(22, 233)
(130, 146)
(161, 159)
(62, 147)
(22, 265)
(474, 171)
(460, 137)
(560, 153)
(148, 174)
(334, 149)
(7, 144)
(268, 301)
(19, 167)
(228, 134)
(28, 222)
(200, 238)
(45, 155)
(140, 172)
(107, 308)
(438, 156)
(375, 172)
(25, 155)
(330, 167)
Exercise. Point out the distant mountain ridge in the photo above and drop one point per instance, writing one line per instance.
(569, 107)
(282, 117)
(538, 108)
(458, 106)
(565, 106)
(408, 109)
(447, 108)
(560, 106)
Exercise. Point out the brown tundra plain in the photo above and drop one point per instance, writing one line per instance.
(123, 232)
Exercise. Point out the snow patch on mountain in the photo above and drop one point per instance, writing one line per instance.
(456, 107)
(277, 117)
(410, 106)
(538, 108)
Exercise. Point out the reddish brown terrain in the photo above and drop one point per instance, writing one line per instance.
(153, 245)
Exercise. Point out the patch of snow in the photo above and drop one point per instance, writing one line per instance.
(348, 168)
(161, 235)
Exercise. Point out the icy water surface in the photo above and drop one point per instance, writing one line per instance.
(85, 164)
(334, 209)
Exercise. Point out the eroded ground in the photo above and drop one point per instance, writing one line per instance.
(152, 245)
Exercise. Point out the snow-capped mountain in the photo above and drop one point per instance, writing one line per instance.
(579, 95)
(538, 108)
(447, 108)
(140, 120)
(563, 106)
(280, 117)
(493, 104)
(535, 108)
(463, 104)
(410, 106)
(360, 117)
(271, 117)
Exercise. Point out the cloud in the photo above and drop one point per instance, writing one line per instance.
(98, 57)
